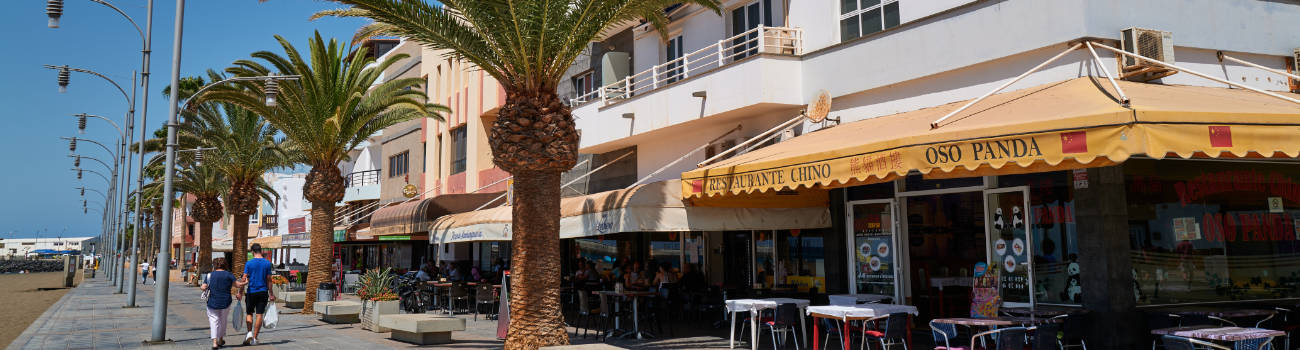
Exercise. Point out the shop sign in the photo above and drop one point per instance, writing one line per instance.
(836, 167)
(410, 191)
(395, 238)
(1248, 227)
(340, 235)
(1215, 183)
(298, 225)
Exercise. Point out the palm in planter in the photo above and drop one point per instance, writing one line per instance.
(526, 46)
(377, 297)
(332, 108)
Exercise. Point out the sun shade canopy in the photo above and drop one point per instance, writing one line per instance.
(415, 216)
(653, 207)
(1071, 124)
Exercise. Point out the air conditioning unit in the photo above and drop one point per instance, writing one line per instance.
(1154, 44)
(718, 147)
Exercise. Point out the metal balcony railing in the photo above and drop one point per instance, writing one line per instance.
(362, 178)
(767, 40)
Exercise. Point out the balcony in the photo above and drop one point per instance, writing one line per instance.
(752, 75)
(361, 185)
(760, 40)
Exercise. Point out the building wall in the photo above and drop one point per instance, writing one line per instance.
(403, 137)
(473, 96)
(22, 246)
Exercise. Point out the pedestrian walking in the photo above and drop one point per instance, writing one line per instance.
(221, 288)
(144, 272)
(258, 273)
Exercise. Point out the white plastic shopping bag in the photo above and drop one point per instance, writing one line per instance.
(272, 316)
(236, 322)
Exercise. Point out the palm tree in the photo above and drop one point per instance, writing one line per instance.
(244, 148)
(207, 184)
(526, 46)
(332, 108)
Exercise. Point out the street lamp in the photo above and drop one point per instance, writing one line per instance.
(54, 9)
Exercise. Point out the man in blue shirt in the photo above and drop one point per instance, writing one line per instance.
(258, 272)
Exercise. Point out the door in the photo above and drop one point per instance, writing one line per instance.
(1010, 247)
(874, 260)
(672, 52)
(743, 19)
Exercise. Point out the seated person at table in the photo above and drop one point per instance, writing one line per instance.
(692, 279)
(475, 274)
(422, 275)
(580, 273)
(632, 278)
(665, 275)
(592, 275)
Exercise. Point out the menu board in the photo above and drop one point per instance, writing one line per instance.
(985, 298)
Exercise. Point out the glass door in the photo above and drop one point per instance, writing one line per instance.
(1010, 248)
(873, 234)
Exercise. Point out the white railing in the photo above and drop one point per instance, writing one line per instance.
(760, 40)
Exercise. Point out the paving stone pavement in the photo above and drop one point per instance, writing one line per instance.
(90, 316)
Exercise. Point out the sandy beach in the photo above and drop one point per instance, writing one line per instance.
(23, 302)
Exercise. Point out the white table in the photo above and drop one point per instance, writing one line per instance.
(845, 313)
(754, 306)
(854, 299)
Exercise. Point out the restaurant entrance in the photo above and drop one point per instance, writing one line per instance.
(945, 236)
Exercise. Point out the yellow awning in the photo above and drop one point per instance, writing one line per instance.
(1065, 125)
(268, 242)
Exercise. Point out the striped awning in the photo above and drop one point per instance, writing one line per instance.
(415, 216)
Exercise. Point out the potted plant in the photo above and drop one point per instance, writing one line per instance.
(279, 284)
(377, 298)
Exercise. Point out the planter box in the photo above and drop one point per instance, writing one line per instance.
(372, 311)
(279, 289)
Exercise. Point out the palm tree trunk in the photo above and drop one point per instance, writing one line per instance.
(205, 247)
(535, 263)
(322, 249)
(239, 238)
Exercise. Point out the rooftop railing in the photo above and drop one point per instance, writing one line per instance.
(362, 178)
(760, 40)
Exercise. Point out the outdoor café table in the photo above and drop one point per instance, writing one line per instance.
(753, 306)
(636, 317)
(854, 299)
(1221, 334)
(997, 321)
(846, 313)
(1044, 311)
(1222, 313)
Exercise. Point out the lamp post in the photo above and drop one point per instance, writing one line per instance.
(124, 157)
(119, 215)
(54, 9)
(110, 215)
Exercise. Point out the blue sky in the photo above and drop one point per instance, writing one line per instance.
(36, 188)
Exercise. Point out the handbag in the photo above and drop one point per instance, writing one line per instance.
(205, 295)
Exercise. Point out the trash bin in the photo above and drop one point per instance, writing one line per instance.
(325, 292)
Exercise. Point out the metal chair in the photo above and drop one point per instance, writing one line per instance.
(1156, 321)
(1182, 343)
(945, 333)
(457, 293)
(1045, 337)
(1072, 331)
(895, 332)
(485, 295)
(784, 321)
(1011, 338)
(830, 327)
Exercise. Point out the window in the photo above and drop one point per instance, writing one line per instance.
(584, 83)
(672, 52)
(252, 219)
(1212, 231)
(801, 261)
(398, 164)
(743, 19)
(458, 150)
(862, 17)
(1055, 238)
(382, 48)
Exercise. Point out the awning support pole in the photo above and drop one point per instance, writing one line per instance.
(935, 124)
(683, 157)
(751, 140)
(1123, 98)
(1199, 74)
(1223, 56)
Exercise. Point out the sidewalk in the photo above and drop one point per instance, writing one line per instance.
(91, 317)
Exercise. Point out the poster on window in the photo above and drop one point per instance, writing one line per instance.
(985, 297)
(1186, 229)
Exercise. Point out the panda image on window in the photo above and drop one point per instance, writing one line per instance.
(1016, 218)
(998, 223)
(1073, 284)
